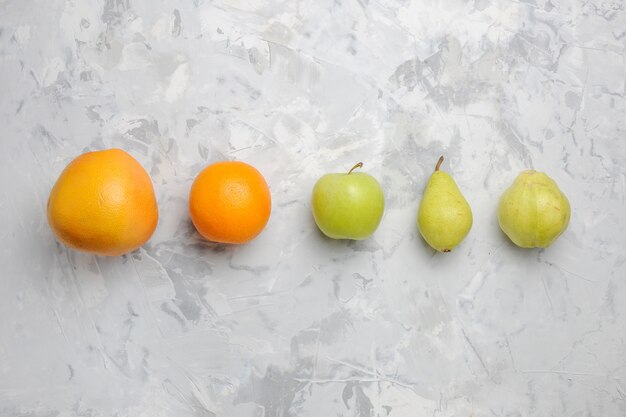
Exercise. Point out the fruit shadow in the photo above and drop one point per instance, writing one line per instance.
(526, 253)
(423, 246)
(336, 246)
(199, 242)
(88, 268)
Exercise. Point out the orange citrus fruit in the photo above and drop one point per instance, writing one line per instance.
(230, 202)
(103, 203)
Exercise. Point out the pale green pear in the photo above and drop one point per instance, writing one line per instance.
(444, 217)
(533, 211)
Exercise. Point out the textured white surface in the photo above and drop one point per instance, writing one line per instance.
(294, 324)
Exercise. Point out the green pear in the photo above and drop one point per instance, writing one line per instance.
(533, 211)
(444, 217)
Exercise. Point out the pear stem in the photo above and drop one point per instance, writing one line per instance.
(359, 165)
(439, 162)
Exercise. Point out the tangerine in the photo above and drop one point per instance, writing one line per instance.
(230, 202)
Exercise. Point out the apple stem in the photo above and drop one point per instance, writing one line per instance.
(359, 165)
(439, 162)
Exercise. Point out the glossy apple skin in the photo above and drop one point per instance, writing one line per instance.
(348, 206)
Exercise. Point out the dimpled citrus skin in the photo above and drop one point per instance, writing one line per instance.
(103, 203)
(229, 202)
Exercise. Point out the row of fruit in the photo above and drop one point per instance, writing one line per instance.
(103, 202)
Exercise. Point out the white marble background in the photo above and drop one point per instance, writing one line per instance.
(294, 324)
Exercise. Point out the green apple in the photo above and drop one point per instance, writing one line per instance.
(348, 206)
